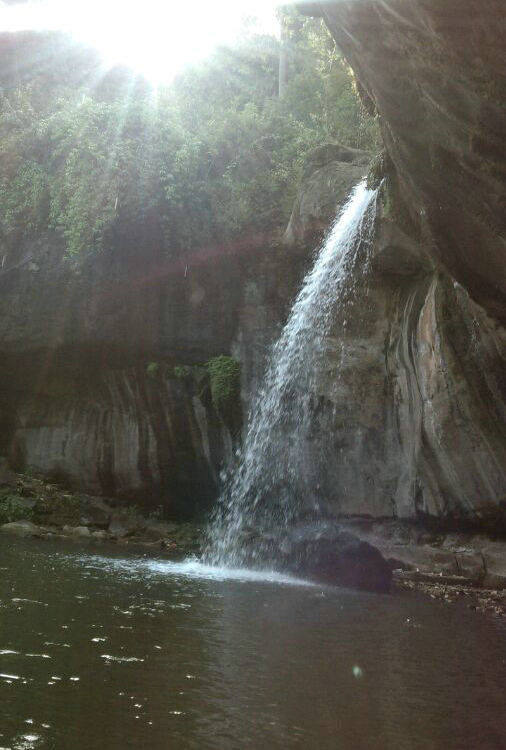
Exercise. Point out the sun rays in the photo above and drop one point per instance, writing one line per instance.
(156, 38)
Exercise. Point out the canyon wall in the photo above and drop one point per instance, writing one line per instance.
(104, 378)
(416, 389)
(101, 372)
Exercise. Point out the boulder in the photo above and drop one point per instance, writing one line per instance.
(21, 528)
(329, 174)
(124, 525)
(79, 531)
(325, 553)
(95, 513)
(328, 554)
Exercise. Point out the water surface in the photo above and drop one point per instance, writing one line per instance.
(101, 649)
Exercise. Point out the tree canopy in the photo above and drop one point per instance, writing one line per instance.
(98, 155)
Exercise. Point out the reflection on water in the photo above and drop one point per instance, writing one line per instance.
(115, 652)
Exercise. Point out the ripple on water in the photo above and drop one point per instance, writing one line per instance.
(110, 658)
(26, 741)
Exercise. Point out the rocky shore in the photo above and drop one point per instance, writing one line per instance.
(451, 566)
(32, 507)
(454, 567)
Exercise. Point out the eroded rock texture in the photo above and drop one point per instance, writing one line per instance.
(410, 410)
(415, 391)
(101, 370)
(90, 391)
(434, 70)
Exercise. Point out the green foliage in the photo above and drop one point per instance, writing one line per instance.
(224, 375)
(12, 508)
(109, 163)
(152, 369)
(321, 89)
(54, 506)
(182, 371)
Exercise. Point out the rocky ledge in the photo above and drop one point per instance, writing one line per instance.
(31, 507)
(442, 563)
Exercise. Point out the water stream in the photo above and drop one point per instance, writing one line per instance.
(275, 481)
(104, 649)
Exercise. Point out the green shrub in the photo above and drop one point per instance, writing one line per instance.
(152, 369)
(224, 375)
(213, 157)
(58, 508)
(182, 371)
(12, 508)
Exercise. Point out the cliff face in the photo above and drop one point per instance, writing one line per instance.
(421, 391)
(103, 383)
(414, 421)
(413, 392)
(90, 390)
(434, 72)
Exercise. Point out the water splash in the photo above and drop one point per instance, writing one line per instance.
(191, 568)
(274, 482)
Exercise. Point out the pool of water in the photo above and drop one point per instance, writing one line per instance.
(101, 649)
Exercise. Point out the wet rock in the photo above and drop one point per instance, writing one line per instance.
(426, 345)
(125, 525)
(96, 513)
(440, 106)
(79, 531)
(327, 554)
(330, 171)
(7, 477)
(21, 528)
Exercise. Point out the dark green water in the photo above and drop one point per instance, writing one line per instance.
(99, 650)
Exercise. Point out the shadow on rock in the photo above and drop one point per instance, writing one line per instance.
(323, 552)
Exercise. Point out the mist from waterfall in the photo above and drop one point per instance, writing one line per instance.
(275, 480)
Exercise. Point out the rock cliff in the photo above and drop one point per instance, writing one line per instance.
(433, 70)
(416, 413)
(103, 378)
(412, 401)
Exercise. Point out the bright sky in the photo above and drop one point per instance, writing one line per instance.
(156, 37)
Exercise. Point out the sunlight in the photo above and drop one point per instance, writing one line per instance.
(155, 37)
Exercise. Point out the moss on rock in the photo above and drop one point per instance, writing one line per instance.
(224, 378)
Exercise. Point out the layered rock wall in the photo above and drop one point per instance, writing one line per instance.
(434, 71)
(103, 382)
(410, 409)
(416, 389)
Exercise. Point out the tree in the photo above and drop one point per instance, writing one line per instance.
(214, 157)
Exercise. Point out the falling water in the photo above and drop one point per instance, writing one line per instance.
(270, 487)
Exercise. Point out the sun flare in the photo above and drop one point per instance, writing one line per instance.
(155, 37)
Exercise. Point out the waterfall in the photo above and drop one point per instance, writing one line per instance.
(274, 482)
